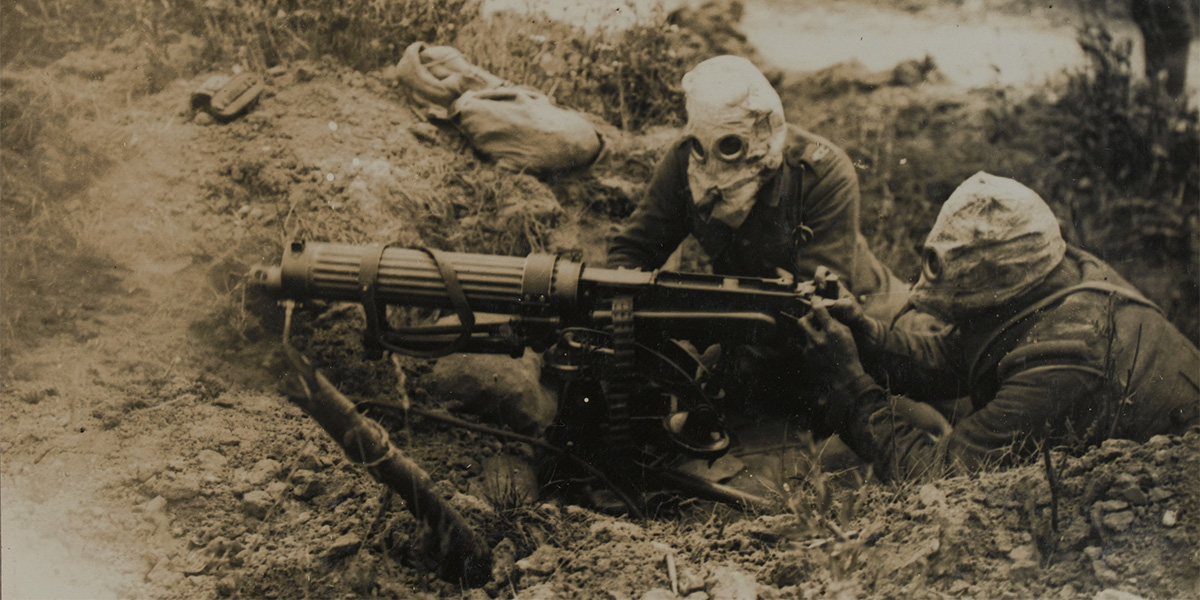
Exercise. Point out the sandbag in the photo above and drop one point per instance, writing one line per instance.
(435, 76)
(522, 130)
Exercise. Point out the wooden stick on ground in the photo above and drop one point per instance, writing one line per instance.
(463, 556)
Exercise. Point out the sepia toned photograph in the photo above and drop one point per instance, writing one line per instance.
(600, 299)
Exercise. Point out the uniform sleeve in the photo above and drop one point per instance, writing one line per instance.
(925, 363)
(1041, 388)
(831, 210)
(659, 223)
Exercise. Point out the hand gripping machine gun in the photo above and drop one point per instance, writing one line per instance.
(611, 335)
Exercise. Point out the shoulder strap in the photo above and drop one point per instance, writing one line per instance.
(1090, 286)
(800, 233)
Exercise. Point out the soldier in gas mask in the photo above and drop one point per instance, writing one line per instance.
(763, 198)
(1047, 344)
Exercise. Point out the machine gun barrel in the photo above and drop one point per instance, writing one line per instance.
(539, 290)
(411, 277)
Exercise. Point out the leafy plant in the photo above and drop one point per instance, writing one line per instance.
(1124, 169)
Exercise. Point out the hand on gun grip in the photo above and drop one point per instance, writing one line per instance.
(829, 343)
(847, 309)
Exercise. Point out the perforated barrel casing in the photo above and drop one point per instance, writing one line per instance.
(410, 277)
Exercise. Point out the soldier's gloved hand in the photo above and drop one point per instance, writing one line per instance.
(867, 330)
(830, 344)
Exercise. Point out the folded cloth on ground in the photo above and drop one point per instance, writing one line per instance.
(522, 130)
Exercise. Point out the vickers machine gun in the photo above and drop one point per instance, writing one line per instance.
(609, 334)
(628, 390)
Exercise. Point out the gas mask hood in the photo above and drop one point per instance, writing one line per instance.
(735, 136)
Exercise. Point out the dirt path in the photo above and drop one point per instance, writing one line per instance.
(110, 433)
(71, 509)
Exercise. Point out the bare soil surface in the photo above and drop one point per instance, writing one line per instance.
(147, 454)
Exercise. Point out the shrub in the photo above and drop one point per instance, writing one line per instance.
(1122, 167)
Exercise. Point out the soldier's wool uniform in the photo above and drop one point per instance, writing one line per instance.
(1048, 344)
(763, 199)
(804, 217)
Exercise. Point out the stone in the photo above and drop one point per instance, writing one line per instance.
(690, 581)
(163, 575)
(344, 545)
(257, 503)
(1159, 494)
(1111, 505)
(263, 471)
(1126, 487)
(1115, 594)
(1021, 553)
(1132, 495)
(211, 460)
(931, 496)
(1103, 573)
(497, 388)
(226, 586)
(543, 562)
(277, 488)
(310, 459)
(1076, 534)
(727, 583)
(183, 486)
(301, 476)
(1169, 518)
(154, 506)
(1025, 562)
(308, 490)
(1118, 521)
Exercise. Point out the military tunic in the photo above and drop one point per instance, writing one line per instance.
(1082, 358)
(805, 217)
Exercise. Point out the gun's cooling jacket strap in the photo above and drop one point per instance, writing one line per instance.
(377, 326)
(368, 276)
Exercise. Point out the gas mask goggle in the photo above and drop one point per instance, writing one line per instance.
(735, 136)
